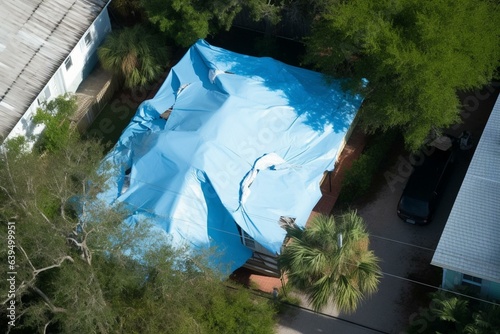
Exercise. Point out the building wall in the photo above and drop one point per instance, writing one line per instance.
(491, 290)
(487, 289)
(84, 56)
(79, 63)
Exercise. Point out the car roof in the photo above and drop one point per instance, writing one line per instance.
(426, 177)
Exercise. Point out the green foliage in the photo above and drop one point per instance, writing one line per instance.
(415, 55)
(287, 296)
(127, 8)
(449, 313)
(243, 311)
(135, 54)
(55, 115)
(359, 177)
(316, 264)
(16, 145)
(99, 275)
(187, 21)
(269, 11)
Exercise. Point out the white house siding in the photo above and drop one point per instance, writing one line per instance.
(83, 58)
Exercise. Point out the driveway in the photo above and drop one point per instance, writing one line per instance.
(405, 250)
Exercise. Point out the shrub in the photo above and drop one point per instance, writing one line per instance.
(359, 177)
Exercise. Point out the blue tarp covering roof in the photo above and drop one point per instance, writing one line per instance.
(246, 144)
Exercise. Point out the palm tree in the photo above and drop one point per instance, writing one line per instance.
(452, 314)
(330, 261)
(451, 309)
(135, 54)
(486, 321)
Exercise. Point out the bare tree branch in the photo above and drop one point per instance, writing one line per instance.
(26, 255)
(8, 194)
(43, 214)
(37, 271)
(29, 185)
(8, 170)
(61, 260)
(86, 253)
(78, 244)
(45, 327)
(53, 308)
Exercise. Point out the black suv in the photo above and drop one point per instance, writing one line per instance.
(419, 197)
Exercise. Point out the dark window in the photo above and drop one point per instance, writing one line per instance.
(88, 39)
(472, 283)
(248, 240)
(68, 63)
(472, 280)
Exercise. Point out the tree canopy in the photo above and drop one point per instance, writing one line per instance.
(187, 21)
(55, 115)
(415, 54)
(78, 268)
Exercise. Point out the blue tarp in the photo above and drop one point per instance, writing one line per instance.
(246, 144)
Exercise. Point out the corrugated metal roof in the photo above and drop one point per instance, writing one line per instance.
(35, 38)
(470, 242)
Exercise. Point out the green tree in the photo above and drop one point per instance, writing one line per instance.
(56, 116)
(326, 269)
(135, 54)
(35, 190)
(187, 21)
(80, 269)
(415, 54)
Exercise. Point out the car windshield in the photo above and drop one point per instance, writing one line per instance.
(414, 207)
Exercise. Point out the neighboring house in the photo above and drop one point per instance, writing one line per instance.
(47, 47)
(469, 248)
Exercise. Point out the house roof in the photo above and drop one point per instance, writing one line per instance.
(35, 38)
(470, 242)
(246, 144)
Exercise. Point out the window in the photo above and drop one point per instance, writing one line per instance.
(68, 63)
(44, 96)
(472, 280)
(88, 39)
(246, 239)
(46, 92)
(473, 283)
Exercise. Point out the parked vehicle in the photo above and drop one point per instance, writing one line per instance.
(420, 195)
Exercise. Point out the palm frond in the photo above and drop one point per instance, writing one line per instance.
(134, 54)
(326, 271)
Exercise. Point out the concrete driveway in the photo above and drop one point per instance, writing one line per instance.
(405, 250)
